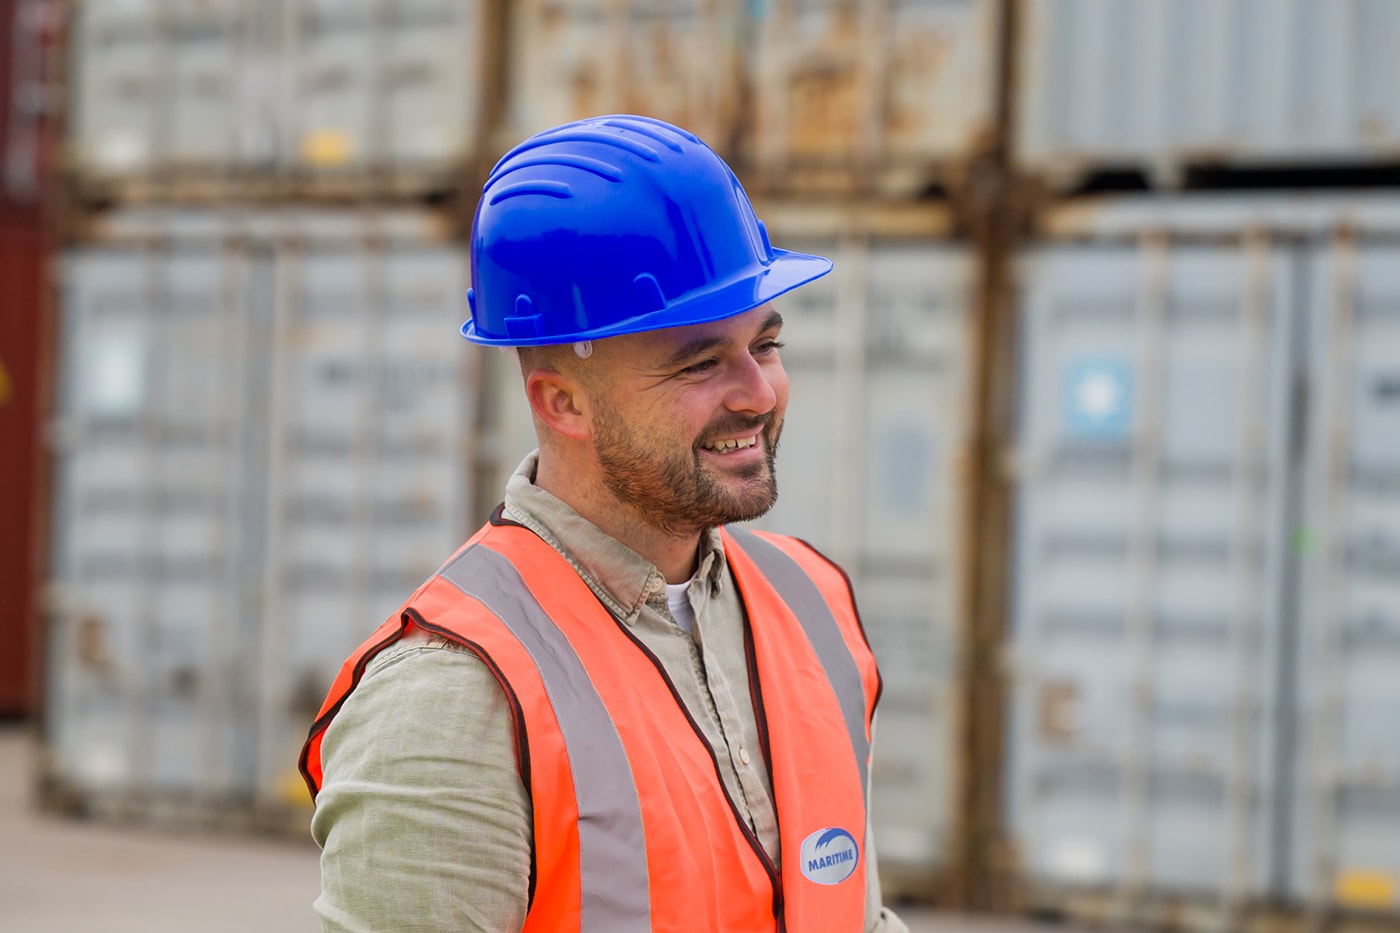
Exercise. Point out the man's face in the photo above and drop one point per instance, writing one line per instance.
(686, 421)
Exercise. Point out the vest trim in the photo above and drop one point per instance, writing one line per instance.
(615, 892)
(812, 611)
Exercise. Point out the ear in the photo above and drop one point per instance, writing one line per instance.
(560, 402)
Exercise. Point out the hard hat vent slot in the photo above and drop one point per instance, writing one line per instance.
(646, 294)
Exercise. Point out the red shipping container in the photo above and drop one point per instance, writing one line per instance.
(21, 278)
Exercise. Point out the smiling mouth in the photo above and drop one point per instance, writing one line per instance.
(731, 445)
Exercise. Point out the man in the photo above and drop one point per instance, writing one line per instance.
(610, 712)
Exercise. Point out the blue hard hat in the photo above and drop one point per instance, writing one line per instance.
(614, 225)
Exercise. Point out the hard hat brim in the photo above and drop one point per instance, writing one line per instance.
(787, 271)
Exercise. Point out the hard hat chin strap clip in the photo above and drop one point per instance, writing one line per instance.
(583, 349)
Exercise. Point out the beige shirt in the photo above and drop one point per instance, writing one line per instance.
(422, 813)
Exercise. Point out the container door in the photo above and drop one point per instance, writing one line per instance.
(1347, 770)
(335, 47)
(367, 468)
(208, 47)
(122, 62)
(844, 87)
(1148, 568)
(431, 88)
(677, 60)
(877, 358)
(150, 581)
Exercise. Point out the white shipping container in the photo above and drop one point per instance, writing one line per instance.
(1159, 85)
(1204, 634)
(263, 447)
(225, 89)
(1346, 817)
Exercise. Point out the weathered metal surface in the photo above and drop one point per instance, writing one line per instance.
(1163, 85)
(677, 60)
(891, 97)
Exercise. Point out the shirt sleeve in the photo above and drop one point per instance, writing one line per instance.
(423, 820)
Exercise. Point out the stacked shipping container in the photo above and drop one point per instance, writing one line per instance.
(1201, 460)
(1201, 650)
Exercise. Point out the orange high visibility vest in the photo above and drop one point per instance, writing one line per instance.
(633, 828)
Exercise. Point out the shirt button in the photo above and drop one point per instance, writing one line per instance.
(744, 755)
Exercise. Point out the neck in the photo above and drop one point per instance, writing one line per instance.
(673, 553)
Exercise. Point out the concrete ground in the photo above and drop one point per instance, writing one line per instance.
(61, 876)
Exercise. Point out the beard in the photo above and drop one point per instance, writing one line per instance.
(671, 490)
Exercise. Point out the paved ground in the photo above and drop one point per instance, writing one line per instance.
(58, 876)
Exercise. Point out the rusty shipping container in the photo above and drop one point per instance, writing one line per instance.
(677, 60)
(1203, 652)
(1164, 86)
(889, 97)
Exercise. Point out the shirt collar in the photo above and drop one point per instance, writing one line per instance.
(618, 575)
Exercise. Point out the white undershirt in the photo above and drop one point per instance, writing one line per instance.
(678, 599)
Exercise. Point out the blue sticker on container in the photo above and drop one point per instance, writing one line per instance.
(1099, 398)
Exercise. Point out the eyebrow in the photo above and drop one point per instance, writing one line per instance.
(701, 344)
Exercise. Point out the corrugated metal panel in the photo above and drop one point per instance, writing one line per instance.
(869, 473)
(21, 268)
(227, 90)
(27, 31)
(1346, 813)
(899, 93)
(262, 433)
(677, 60)
(370, 471)
(1159, 84)
(1150, 566)
(150, 587)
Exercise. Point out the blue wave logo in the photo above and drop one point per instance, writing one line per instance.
(829, 856)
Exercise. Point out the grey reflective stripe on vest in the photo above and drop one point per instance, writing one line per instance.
(806, 601)
(612, 844)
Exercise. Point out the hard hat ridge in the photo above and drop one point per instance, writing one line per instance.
(613, 225)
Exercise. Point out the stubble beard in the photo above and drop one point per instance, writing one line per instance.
(672, 491)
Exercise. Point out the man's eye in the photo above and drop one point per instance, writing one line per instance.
(770, 346)
(702, 366)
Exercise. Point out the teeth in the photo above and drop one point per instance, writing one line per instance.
(723, 446)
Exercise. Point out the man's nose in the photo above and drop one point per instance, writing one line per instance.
(753, 388)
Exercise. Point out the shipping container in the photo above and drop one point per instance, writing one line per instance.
(1202, 657)
(891, 97)
(22, 377)
(676, 60)
(226, 97)
(1161, 87)
(28, 30)
(870, 471)
(260, 435)
(1345, 834)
